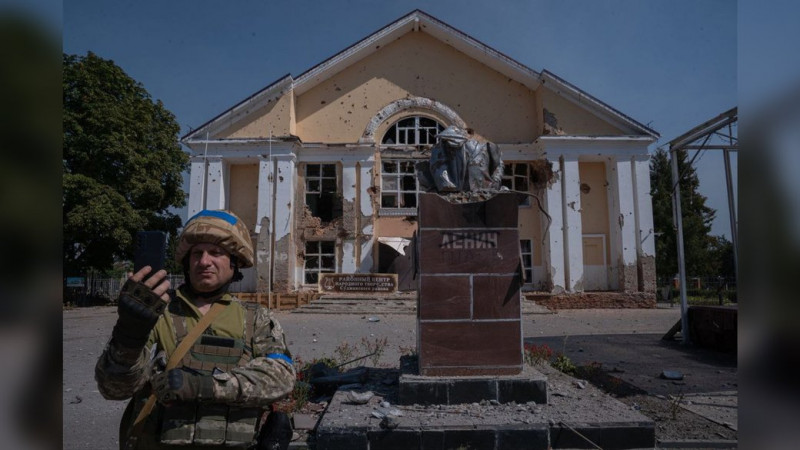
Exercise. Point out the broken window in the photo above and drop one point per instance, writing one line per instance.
(399, 185)
(320, 257)
(321, 196)
(526, 251)
(415, 130)
(515, 177)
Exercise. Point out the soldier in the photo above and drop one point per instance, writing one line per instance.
(218, 393)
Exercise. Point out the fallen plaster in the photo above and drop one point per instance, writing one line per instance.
(263, 256)
(542, 175)
(578, 285)
(595, 300)
(648, 267)
(551, 124)
(629, 278)
(281, 269)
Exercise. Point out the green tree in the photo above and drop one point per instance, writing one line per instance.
(722, 262)
(122, 164)
(697, 218)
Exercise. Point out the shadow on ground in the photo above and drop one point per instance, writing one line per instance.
(640, 359)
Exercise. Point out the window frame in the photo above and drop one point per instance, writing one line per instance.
(513, 178)
(319, 255)
(424, 130)
(527, 270)
(428, 131)
(322, 178)
(399, 191)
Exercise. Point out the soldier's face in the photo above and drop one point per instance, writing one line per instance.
(209, 267)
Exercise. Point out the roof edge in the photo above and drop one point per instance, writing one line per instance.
(259, 95)
(526, 75)
(595, 104)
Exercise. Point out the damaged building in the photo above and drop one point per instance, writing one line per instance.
(321, 165)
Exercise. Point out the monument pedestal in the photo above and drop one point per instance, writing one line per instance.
(529, 385)
(468, 311)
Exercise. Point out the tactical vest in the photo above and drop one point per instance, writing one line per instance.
(212, 423)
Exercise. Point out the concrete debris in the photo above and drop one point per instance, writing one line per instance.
(359, 398)
(671, 375)
(389, 422)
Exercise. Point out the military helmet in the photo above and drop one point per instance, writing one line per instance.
(453, 133)
(220, 228)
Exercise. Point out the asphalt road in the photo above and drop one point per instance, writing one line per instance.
(91, 422)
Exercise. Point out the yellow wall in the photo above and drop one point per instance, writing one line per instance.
(593, 251)
(243, 200)
(417, 65)
(573, 119)
(594, 208)
(395, 227)
(277, 115)
(338, 110)
(530, 226)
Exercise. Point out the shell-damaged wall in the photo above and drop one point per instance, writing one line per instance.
(563, 117)
(274, 116)
(342, 228)
(338, 111)
(417, 65)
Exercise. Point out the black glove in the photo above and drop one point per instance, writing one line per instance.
(180, 385)
(276, 434)
(139, 308)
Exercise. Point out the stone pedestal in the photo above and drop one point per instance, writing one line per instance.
(468, 315)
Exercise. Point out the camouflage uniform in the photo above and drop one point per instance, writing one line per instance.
(255, 371)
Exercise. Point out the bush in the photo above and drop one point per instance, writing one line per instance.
(536, 354)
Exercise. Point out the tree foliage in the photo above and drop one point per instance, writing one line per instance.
(122, 164)
(701, 250)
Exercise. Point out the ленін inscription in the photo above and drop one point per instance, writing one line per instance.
(469, 240)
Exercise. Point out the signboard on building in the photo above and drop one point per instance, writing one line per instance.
(383, 283)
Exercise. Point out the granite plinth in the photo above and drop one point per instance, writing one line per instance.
(560, 423)
(469, 313)
(528, 386)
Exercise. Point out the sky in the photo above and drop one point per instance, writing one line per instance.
(669, 64)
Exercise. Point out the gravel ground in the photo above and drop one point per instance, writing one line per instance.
(90, 422)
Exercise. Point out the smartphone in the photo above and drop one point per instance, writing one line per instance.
(151, 250)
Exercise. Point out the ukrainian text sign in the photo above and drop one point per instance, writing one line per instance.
(358, 282)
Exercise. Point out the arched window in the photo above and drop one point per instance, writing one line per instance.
(414, 130)
(399, 184)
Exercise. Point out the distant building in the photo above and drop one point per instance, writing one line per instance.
(324, 162)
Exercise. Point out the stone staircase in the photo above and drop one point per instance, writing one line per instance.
(372, 304)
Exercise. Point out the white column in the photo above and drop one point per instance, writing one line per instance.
(365, 223)
(283, 207)
(614, 232)
(644, 208)
(265, 191)
(215, 182)
(573, 228)
(197, 186)
(554, 244)
(645, 237)
(349, 183)
(626, 224)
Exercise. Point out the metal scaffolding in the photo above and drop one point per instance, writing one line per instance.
(719, 133)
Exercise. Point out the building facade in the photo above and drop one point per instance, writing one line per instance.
(321, 166)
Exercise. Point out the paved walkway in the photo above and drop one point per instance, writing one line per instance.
(625, 338)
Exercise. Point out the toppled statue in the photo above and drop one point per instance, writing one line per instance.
(460, 164)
